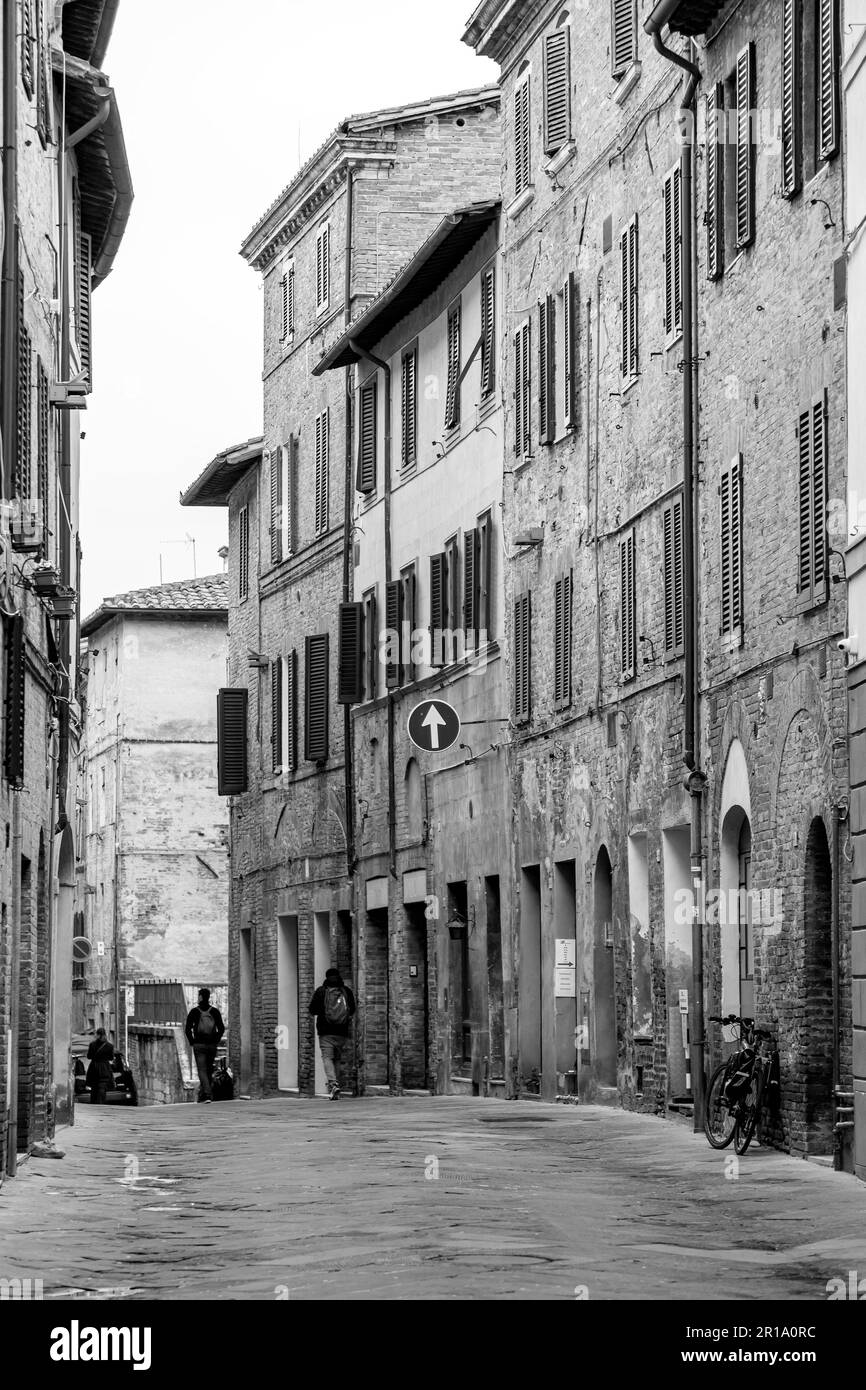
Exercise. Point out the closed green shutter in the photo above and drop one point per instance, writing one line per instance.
(316, 720)
(350, 677)
(232, 741)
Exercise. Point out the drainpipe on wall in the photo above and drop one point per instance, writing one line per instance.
(14, 986)
(348, 749)
(695, 779)
(9, 308)
(392, 791)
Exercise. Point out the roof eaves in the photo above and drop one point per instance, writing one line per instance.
(226, 466)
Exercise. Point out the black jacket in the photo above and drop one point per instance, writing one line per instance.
(191, 1027)
(100, 1054)
(317, 1007)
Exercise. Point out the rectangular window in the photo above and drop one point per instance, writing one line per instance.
(24, 402)
(231, 742)
(569, 344)
(674, 576)
(470, 587)
(557, 89)
(629, 284)
(484, 577)
(745, 148)
(283, 500)
(290, 713)
(522, 658)
(522, 138)
(731, 508)
(523, 391)
(43, 411)
(673, 224)
(276, 512)
(316, 705)
(628, 607)
(452, 398)
(243, 554)
(287, 303)
(43, 86)
(813, 466)
(323, 268)
(452, 597)
(828, 78)
(546, 371)
(716, 125)
(408, 585)
(409, 437)
(323, 449)
(792, 134)
(367, 438)
(438, 609)
(277, 715)
(371, 646)
(562, 642)
(488, 331)
(350, 666)
(83, 284)
(623, 42)
(394, 633)
(28, 57)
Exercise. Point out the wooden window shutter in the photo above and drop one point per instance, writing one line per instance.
(523, 392)
(15, 699)
(813, 564)
(438, 603)
(731, 494)
(623, 44)
(673, 224)
(674, 576)
(316, 715)
(43, 411)
(745, 162)
(569, 303)
(488, 331)
(232, 741)
(791, 93)
(277, 714)
(522, 139)
(408, 581)
(470, 586)
(243, 553)
(629, 285)
(828, 78)
(716, 119)
(546, 390)
(522, 658)
(393, 622)
(452, 400)
(323, 267)
(367, 441)
(83, 276)
(28, 58)
(277, 504)
(350, 678)
(371, 646)
(562, 642)
(23, 401)
(628, 607)
(42, 79)
(323, 434)
(557, 90)
(290, 704)
(484, 578)
(409, 450)
(284, 291)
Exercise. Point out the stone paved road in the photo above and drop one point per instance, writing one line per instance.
(321, 1201)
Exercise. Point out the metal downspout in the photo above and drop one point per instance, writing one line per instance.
(95, 123)
(9, 309)
(695, 779)
(348, 749)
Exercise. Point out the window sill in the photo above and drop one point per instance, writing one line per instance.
(523, 463)
(559, 160)
(322, 309)
(732, 641)
(627, 383)
(627, 83)
(521, 202)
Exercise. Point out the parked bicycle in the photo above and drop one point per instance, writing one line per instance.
(740, 1087)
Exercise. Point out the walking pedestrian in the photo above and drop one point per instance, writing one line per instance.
(333, 1005)
(204, 1028)
(99, 1073)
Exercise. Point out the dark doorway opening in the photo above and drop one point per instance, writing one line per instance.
(817, 1039)
(603, 973)
(460, 980)
(495, 985)
(416, 1021)
(377, 1052)
(529, 996)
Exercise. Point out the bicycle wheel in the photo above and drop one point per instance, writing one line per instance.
(720, 1122)
(749, 1111)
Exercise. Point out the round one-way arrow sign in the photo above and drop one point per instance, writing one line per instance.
(434, 725)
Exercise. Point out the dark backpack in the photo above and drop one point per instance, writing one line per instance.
(206, 1027)
(335, 1005)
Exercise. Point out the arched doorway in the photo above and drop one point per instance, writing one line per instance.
(817, 1041)
(735, 915)
(61, 973)
(603, 973)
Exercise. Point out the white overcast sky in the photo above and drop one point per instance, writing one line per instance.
(217, 99)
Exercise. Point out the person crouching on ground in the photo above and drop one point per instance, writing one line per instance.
(204, 1028)
(333, 1005)
(99, 1073)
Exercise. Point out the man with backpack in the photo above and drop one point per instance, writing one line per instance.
(333, 1005)
(204, 1028)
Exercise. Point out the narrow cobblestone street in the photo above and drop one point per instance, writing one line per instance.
(306, 1200)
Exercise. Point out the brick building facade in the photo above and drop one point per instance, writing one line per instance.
(67, 196)
(597, 287)
(339, 232)
(154, 833)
